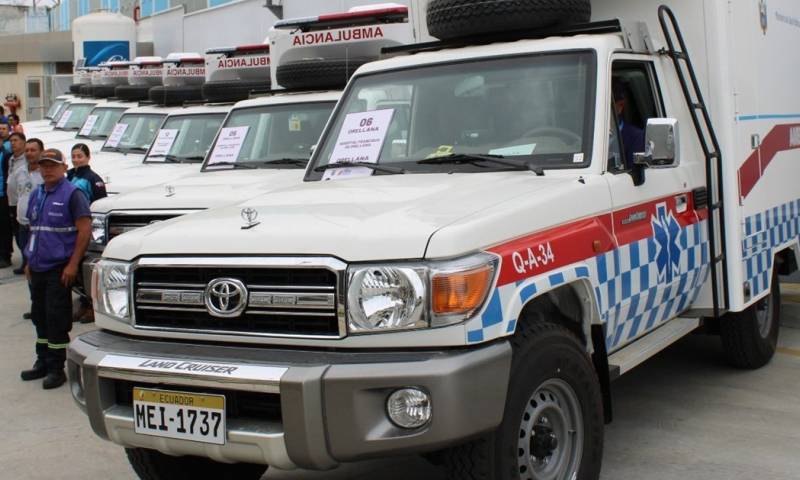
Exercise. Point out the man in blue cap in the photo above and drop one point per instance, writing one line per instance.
(60, 228)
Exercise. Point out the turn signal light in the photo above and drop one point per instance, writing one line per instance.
(460, 292)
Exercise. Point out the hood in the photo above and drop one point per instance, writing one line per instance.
(142, 175)
(373, 218)
(53, 136)
(203, 190)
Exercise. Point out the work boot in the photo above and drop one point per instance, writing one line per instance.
(5, 263)
(19, 271)
(27, 316)
(80, 312)
(54, 379)
(88, 317)
(39, 370)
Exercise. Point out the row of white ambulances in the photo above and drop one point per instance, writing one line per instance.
(492, 227)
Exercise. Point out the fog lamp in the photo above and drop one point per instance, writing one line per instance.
(409, 408)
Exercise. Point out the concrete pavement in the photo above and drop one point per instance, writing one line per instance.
(684, 415)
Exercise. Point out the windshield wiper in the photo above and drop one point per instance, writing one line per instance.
(231, 164)
(475, 158)
(300, 162)
(178, 159)
(373, 166)
(129, 149)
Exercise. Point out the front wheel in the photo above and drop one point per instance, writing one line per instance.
(750, 337)
(154, 465)
(552, 428)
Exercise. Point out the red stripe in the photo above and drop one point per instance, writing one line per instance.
(584, 239)
(777, 140)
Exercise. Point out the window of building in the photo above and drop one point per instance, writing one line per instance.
(8, 68)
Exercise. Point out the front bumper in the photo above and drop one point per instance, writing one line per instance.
(332, 404)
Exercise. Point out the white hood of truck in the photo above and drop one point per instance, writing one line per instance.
(373, 218)
(202, 191)
(142, 175)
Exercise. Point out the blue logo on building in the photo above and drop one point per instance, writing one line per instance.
(666, 232)
(95, 52)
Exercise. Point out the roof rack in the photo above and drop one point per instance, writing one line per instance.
(263, 92)
(594, 28)
(146, 103)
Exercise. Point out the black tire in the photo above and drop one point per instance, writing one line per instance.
(318, 73)
(75, 88)
(133, 93)
(750, 337)
(233, 90)
(461, 18)
(544, 353)
(98, 91)
(154, 465)
(175, 95)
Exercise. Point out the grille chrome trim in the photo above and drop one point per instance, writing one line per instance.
(338, 292)
(173, 309)
(200, 286)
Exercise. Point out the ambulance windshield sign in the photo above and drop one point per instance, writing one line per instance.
(360, 141)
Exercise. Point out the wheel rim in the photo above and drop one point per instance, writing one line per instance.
(763, 310)
(550, 445)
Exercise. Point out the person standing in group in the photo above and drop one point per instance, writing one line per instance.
(6, 235)
(90, 183)
(3, 118)
(60, 222)
(23, 181)
(16, 163)
(14, 123)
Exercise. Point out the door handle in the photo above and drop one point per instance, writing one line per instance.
(681, 203)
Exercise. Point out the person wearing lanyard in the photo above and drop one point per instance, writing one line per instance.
(60, 227)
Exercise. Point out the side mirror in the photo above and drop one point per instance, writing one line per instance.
(661, 143)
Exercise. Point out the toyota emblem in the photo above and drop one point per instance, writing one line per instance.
(249, 215)
(225, 297)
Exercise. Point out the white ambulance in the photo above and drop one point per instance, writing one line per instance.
(492, 228)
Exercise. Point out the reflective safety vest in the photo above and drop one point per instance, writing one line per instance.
(53, 232)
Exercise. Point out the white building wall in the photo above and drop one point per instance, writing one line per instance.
(237, 23)
(168, 32)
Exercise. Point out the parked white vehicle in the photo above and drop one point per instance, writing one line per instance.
(95, 129)
(127, 160)
(491, 229)
(50, 116)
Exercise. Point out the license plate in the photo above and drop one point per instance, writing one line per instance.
(180, 415)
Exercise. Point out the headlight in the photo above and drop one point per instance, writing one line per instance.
(386, 298)
(434, 294)
(111, 288)
(99, 228)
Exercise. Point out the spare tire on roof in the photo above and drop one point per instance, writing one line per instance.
(318, 73)
(175, 95)
(233, 90)
(103, 91)
(462, 18)
(133, 93)
(75, 88)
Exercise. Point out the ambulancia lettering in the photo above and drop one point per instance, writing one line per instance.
(346, 35)
(187, 72)
(251, 62)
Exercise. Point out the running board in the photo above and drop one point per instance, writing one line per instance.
(624, 360)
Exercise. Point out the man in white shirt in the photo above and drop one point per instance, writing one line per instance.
(16, 162)
(22, 181)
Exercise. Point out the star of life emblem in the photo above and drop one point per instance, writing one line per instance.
(666, 233)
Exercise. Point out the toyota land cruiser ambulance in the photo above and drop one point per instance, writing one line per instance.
(483, 241)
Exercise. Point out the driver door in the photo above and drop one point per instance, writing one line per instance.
(646, 283)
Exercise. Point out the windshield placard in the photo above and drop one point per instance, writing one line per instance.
(228, 145)
(64, 119)
(116, 135)
(163, 143)
(360, 140)
(88, 125)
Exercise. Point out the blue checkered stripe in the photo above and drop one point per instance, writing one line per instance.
(763, 232)
(632, 294)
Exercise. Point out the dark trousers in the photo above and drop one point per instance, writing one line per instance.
(5, 230)
(23, 234)
(51, 312)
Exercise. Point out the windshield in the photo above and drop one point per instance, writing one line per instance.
(185, 138)
(54, 108)
(100, 122)
(270, 136)
(530, 112)
(77, 115)
(138, 131)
